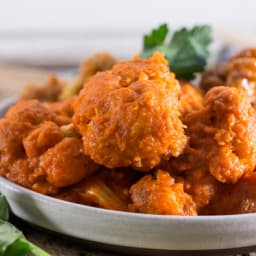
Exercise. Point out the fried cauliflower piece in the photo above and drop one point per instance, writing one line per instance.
(237, 198)
(191, 98)
(65, 163)
(242, 74)
(95, 192)
(48, 92)
(215, 76)
(34, 112)
(225, 131)
(96, 63)
(239, 71)
(25, 173)
(129, 116)
(11, 148)
(202, 187)
(41, 138)
(64, 108)
(161, 195)
(38, 150)
(20, 171)
(247, 53)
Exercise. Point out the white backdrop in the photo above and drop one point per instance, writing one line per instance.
(88, 14)
(62, 32)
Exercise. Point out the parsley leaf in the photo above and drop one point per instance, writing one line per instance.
(156, 37)
(186, 52)
(4, 208)
(12, 241)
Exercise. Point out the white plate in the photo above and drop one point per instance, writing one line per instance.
(153, 232)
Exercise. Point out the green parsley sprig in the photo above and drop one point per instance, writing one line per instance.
(186, 50)
(12, 241)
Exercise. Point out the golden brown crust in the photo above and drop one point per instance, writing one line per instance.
(161, 195)
(191, 98)
(130, 116)
(237, 72)
(65, 163)
(48, 92)
(11, 148)
(41, 138)
(225, 130)
(96, 63)
(235, 199)
(34, 112)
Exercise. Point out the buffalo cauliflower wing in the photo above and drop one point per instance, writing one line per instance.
(129, 116)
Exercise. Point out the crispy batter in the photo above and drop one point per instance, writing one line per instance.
(95, 192)
(96, 63)
(161, 195)
(225, 131)
(24, 172)
(242, 74)
(130, 116)
(20, 171)
(191, 99)
(64, 107)
(235, 199)
(65, 164)
(34, 112)
(31, 139)
(202, 187)
(11, 148)
(48, 92)
(215, 76)
(239, 71)
(41, 138)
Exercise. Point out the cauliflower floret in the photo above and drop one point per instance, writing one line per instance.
(129, 116)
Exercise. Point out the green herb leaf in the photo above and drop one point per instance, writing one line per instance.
(12, 242)
(19, 247)
(156, 37)
(4, 208)
(187, 51)
(8, 236)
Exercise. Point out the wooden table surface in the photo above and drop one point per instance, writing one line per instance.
(12, 79)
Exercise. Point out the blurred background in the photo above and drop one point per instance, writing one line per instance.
(62, 32)
(57, 35)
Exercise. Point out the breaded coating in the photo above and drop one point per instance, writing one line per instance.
(242, 74)
(237, 198)
(64, 107)
(238, 72)
(120, 180)
(192, 166)
(191, 98)
(247, 52)
(20, 172)
(48, 92)
(129, 116)
(96, 192)
(25, 173)
(225, 130)
(161, 195)
(65, 163)
(41, 138)
(34, 112)
(202, 187)
(215, 76)
(11, 148)
(96, 63)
